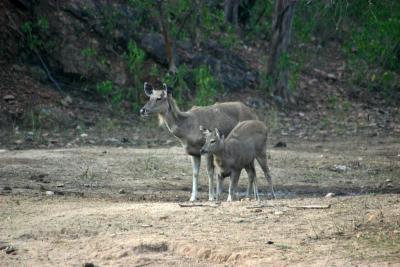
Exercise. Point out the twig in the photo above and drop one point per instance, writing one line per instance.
(51, 78)
(44, 66)
(195, 205)
(255, 207)
(326, 75)
(143, 264)
(311, 207)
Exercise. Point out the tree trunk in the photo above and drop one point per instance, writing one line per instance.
(169, 46)
(281, 35)
(231, 11)
(197, 22)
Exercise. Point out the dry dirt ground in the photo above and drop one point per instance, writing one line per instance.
(120, 207)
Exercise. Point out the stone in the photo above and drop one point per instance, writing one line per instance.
(49, 193)
(280, 144)
(340, 168)
(8, 98)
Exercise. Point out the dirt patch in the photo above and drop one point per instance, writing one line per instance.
(109, 206)
(355, 230)
(164, 174)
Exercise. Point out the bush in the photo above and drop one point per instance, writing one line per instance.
(206, 86)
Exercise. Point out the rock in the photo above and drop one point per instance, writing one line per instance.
(88, 264)
(388, 181)
(60, 185)
(330, 195)
(84, 135)
(227, 67)
(10, 249)
(121, 191)
(112, 141)
(8, 98)
(49, 193)
(7, 188)
(280, 144)
(255, 103)
(339, 168)
(29, 138)
(18, 142)
(66, 101)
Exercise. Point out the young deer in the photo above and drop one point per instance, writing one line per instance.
(185, 125)
(246, 142)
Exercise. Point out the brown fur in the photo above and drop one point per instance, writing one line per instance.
(185, 125)
(246, 142)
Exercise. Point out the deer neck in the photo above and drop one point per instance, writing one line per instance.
(173, 118)
(219, 155)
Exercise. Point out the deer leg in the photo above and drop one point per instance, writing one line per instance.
(262, 160)
(210, 172)
(233, 181)
(251, 172)
(196, 168)
(219, 186)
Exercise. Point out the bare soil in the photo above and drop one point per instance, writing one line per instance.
(120, 206)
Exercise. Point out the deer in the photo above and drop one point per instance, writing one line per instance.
(184, 125)
(244, 144)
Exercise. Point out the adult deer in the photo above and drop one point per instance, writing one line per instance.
(186, 125)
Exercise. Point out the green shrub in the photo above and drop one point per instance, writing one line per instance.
(89, 52)
(178, 82)
(135, 57)
(33, 31)
(206, 86)
(104, 88)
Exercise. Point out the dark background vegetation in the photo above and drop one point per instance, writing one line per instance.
(78, 64)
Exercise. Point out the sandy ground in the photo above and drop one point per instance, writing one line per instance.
(120, 207)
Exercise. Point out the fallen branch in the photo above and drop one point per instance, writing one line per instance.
(255, 207)
(311, 207)
(326, 75)
(195, 205)
(46, 69)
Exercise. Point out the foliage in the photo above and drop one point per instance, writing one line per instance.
(104, 88)
(370, 34)
(33, 31)
(89, 52)
(178, 82)
(259, 20)
(135, 57)
(206, 86)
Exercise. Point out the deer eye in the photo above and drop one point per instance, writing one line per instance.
(158, 98)
(212, 141)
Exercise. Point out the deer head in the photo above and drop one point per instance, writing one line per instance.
(214, 141)
(158, 100)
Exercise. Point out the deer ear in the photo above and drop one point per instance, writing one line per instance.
(204, 130)
(167, 89)
(148, 89)
(218, 133)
